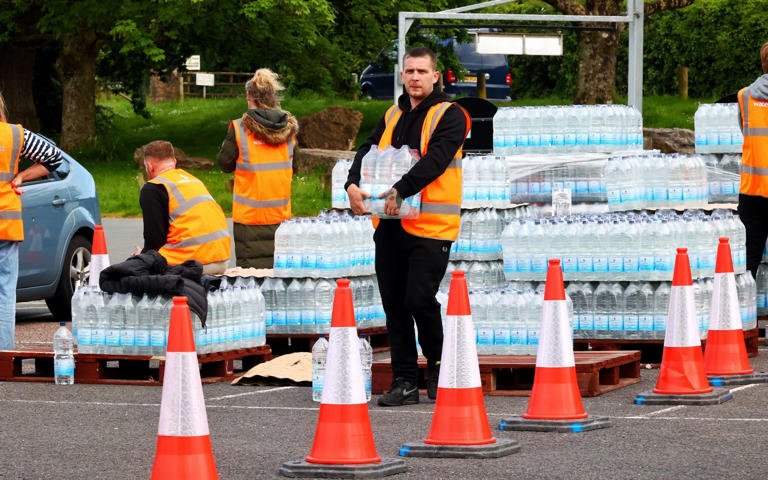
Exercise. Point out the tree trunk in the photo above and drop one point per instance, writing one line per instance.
(595, 81)
(76, 66)
(16, 85)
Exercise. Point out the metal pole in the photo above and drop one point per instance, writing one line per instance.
(635, 74)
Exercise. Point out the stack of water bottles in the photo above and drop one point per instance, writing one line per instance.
(236, 318)
(651, 179)
(319, 357)
(508, 320)
(479, 235)
(331, 245)
(572, 128)
(532, 178)
(379, 170)
(305, 305)
(484, 182)
(639, 310)
(723, 177)
(620, 246)
(339, 198)
(120, 324)
(717, 128)
(479, 274)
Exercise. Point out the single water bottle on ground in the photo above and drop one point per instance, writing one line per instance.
(319, 355)
(366, 360)
(63, 356)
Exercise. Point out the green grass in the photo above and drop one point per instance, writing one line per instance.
(198, 126)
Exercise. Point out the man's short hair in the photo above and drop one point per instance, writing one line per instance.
(422, 52)
(764, 57)
(160, 149)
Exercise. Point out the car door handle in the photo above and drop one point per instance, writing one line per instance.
(57, 202)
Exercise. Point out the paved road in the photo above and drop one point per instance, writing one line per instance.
(109, 431)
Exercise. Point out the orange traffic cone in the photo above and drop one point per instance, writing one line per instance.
(343, 445)
(682, 380)
(460, 426)
(555, 403)
(99, 256)
(183, 441)
(725, 356)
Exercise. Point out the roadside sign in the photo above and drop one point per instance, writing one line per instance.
(193, 63)
(204, 79)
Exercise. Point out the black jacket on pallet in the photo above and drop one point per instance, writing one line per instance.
(149, 273)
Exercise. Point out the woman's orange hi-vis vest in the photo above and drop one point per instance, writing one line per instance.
(440, 213)
(198, 228)
(754, 153)
(262, 191)
(11, 141)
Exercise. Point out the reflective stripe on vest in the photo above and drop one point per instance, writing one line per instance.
(198, 228)
(11, 141)
(263, 173)
(440, 213)
(754, 158)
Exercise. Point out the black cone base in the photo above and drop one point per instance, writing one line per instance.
(720, 380)
(715, 397)
(500, 448)
(518, 423)
(302, 469)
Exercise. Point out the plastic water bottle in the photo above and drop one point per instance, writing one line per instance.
(319, 356)
(143, 325)
(661, 308)
(338, 178)
(366, 359)
(63, 356)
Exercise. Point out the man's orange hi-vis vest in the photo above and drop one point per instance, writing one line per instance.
(198, 228)
(754, 156)
(440, 213)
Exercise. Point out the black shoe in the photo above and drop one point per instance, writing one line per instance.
(433, 374)
(402, 392)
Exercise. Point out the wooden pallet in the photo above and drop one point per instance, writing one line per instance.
(651, 350)
(35, 364)
(283, 343)
(512, 375)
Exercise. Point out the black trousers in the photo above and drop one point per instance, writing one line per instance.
(409, 270)
(753, 212)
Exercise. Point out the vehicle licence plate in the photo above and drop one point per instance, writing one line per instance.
(470, 78)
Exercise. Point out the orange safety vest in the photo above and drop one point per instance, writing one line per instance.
(11, 141)
(440, 213)
(262, 191)
(754, 156)
(198, 229)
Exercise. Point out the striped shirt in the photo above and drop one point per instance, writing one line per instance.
(40, 150)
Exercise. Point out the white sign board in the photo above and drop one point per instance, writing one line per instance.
(193, 63)
(204, 79)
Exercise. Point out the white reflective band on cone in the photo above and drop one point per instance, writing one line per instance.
(458, 364)
(343, 384)
(182, 413)
(555, 339)
(98, 263)
(682, 326)
(724, 311)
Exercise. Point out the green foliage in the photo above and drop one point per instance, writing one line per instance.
(718, 40)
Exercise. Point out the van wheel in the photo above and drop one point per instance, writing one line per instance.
(367, 93)
(74, 273)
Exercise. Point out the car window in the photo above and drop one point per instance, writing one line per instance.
(386, 59)
(58, 174)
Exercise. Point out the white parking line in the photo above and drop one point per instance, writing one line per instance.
(664, 410)
(254, 392)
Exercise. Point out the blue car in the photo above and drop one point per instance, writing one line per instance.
(377, 78)
(59, 212)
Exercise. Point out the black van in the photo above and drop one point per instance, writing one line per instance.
(377, 78)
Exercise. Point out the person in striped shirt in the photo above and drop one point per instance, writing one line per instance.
(16, 142)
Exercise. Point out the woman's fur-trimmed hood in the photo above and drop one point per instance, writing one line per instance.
(273, 126)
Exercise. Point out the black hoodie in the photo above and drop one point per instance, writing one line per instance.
(445, 141)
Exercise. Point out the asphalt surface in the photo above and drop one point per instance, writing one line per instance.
(109, 431)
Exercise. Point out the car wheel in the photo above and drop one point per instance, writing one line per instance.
(367, 93)
(75, 271)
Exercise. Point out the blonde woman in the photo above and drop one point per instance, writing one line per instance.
(16, 142)
(259, 149)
